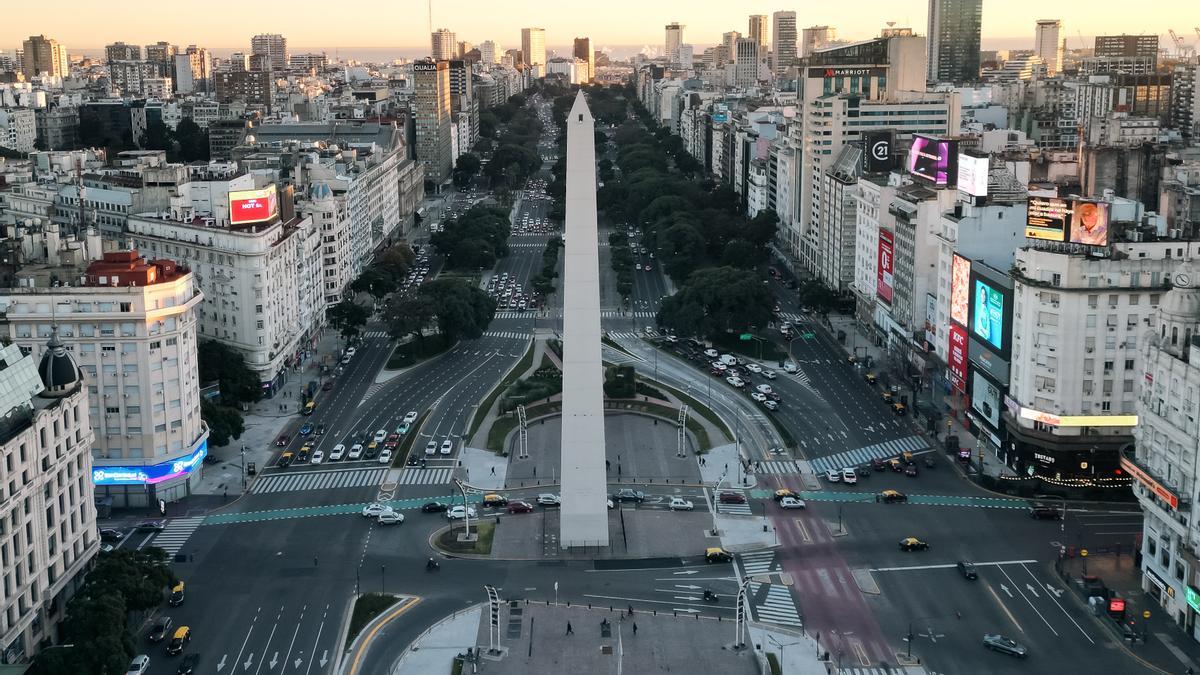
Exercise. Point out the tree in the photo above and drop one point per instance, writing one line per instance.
(407, 316)
(475, 239)
(221, 363)
(158, 137)
(463, 310)
(742, 254)
(225, 424)
(465, 169)
(192, 141)
(396, 261)
(718, 300)
(762, 227)
(375, 281)
(347, 317)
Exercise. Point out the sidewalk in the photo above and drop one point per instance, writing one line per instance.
(435, 649)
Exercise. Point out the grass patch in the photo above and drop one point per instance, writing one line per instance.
(484, 407)
(499, 431)
(773, 662)
(699, 407)
(644, 389)
(456, 666)
(486, 529)
(367, 607)
(729, 343)
(414, 351)
(406, 443)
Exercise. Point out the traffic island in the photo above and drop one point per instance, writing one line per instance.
(366, 607)
(450, 539)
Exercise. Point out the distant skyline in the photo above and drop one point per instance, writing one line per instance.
(378, 26)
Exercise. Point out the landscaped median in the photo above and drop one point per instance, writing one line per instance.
(515, 373)
(372, 611)
(406, 443)
(446, 540)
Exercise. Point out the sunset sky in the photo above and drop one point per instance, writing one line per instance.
(404, 24)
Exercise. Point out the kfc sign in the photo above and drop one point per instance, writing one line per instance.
(885, 266)
(956, 357)
(253, 206)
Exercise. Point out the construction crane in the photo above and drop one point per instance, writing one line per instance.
(1182, 50)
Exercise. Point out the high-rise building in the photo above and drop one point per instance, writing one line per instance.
(431, 96)
(783, 41)
(273, 46)
(533, 46)
(583, 51)
(674, 38)
(44, 56)
(130, 77)
(443, 45)
(162, 55)
(44, 413)
(119, 51)
(953, 40)
(729, 42)
(759, 30)
(816, 37)
(243, 85)
(746, 58)
(490, 52)
(18, 129)
(1047, 44)
(1126, 45)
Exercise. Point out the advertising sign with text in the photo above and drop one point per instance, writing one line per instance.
(885, 266)
(956, 357)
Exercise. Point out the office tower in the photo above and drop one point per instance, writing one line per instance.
(119, 51)
(490, 52)
(687, 56)
(533, 46)
(953, 40)
(443, 44)
(674, 38)
(758, 30)
(746, 57)
(583, 51)
(816, 37)
(1048, 45)
(783, 41)
(1126, 45)
(431, 94)
(462, 48)
(193, 68)
(729, 42)
(44, 56)
(273, 47)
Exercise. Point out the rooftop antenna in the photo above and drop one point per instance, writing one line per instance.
(430, 15)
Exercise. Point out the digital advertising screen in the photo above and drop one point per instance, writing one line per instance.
(1047, 218)
(973, 175)
(934, 160)
(991, 314)
(878, 151)
(960, 289)
(1089, 223)
(253, 206)
(149, 474)
(885, 266)
(985, 399)
(956, 356)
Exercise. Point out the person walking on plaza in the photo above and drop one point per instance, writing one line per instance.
(570, 631)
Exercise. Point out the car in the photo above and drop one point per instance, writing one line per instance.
(434, 507)
(410, 417)
(1043, 512)
(403, 428)
(784, 492)
(736, 381)
(549, 499)
(790, 367)
(351, 351)
(385, 457)
(764, 389)
(849, 476)
(680, 504)
(717, 365)
(306, 430)
(286, 459)
(899, 409)
(792, 503)
(150, 526)
(356, 450)
(519, 507)
(711, 353)
(494, 501)
(967, 569)
(913, 544)
(833, 475)
(892, 496)
(282, 440)
(346, 359)
(390, 518)
(758, 397)
(109, 534)
(754, 367)
(320, 430)
(380, 435)
(161, 629)
(338, 452)
(431, 448)
(188, 665)
(732, 498)
(373, 509)
(878, 464)
(303, 453)
(649, 268)
(864, 470)
(628, 495)
(460, 512)
(910, 470)
(139, 665)
(370, 452)
(447, 446)
(999, 643)
(871, 378)
(769, 374)
(327, 385)
(638, 267)
(770, 405)
(183, 635)
(717, 554)
(886, 396)
(318, 457)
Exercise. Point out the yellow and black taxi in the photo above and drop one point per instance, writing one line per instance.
(183, 635)
(870, 378)
(913, 544)
(176, 598)
(494, 501)
(892, 497)
(887, 396)
(899, 409)
(785, 492)
(286, 459)
(716, 554)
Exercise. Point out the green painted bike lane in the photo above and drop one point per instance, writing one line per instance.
(923, 500)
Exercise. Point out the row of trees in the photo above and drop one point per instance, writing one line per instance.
(239, 385)
(543, 283)
(621, 260)
(186, 143)
(458, 309)
(474, 240)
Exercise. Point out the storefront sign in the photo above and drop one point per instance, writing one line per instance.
(1192, 595)
(1161, 491)
(149, 474)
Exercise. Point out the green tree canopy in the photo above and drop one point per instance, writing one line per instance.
(348, 317)
(463, 310)
(465, 169)
(224, 364)
(474, 240)
(717, 300)
(225, 423)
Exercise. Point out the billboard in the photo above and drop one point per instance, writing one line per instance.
(985, 399)
(1047, 218)
(253, 206)
(1089, 223)
(991, 307)
(885, 266)
(846, 71)
(149, 474)
(973, 175)
(960, 289)
(934, 160)
(956, 357)
(1077, 420)
(879, 151)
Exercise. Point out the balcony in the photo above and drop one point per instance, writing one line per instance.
(1163, 491)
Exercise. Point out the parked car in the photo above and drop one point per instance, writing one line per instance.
(913, 544)
(434, 507)
(548, 499)
(139, 665)
(519, 507)
(910, 470)
(792, 503)
(680, 504)
(967, 569)
(833, 475)
(999, 643)
(161, 629)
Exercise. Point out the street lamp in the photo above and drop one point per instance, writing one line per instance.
(781, 645)
(383, 578)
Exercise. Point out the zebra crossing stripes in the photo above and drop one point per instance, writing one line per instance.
(888, 670)
(780, 466)
(176, 534)
(756, 562)
(742, 509)
(376, 334)
(891, 448)
(777, 606)
(618, 314)
(425, 476)
(318, 480)
(511, 335)
(515, 315)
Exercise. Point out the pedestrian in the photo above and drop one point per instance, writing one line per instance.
(314, 561)
(726, 467)
(631, 610)
(493, 471)
(570, 631)
(635, 628)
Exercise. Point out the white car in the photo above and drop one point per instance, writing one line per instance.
(770, 405)
(680, 504)
(754, 367)
(431, 448)
(385, 457)
(548, 499)
(374, 509)
(410, 417)
(711, 353)
(317, 457)
(380, 435)
(789, 367)
(736, 381)
(758, 397)
(351, 351)
(447, 446)
(769, 374)
(337, 453)
(785, 326)
(139, 665)
(356, 451)
(390, 518)
(833, 475)
(849, 476)
(459, 512)
(791, 503)
(719, 366)
(764, 388)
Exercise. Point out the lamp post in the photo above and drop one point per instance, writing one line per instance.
(781, 645)
(383, 578)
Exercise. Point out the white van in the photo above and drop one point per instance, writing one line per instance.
(728, 360)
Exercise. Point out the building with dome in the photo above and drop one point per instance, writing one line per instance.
(45, 491)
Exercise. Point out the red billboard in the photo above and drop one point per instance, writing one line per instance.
(885, 266)
(956, 357)
(253, 206)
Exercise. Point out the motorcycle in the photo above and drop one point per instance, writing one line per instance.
(432, 565)
(709, 596)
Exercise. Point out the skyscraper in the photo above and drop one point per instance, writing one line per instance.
(816, 37)
(443, 44)
(44, 56)
(490, 52)
(674, 38)
(533, 47)
(953, 40)
(1048, 45)
(273, 47)
(431, 94)
(583, 51)
(758, 30)
(729, 42)
(119, 51)
(783, 41)
(746, 57)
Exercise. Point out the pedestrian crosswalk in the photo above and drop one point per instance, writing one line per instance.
(618, 314)
(857, 456)
(771, 603)
(176, 534)
(375, 334)
(632, 334)
(742, 509)
(618, 357)
(511, 335)
(780, 466)
(516, 315)
(425, 476)
(888, 670)
(318, 480)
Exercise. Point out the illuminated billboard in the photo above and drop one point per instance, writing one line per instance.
(934, 160)
(1089, 223)
(885, 266)
(973, 175)
(1078, 420)
(956, 357)
(877, 151)
(988, 310)
(1047, 218)
(149, 474)
(253, 206)
(960, 289)
(985, 398)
